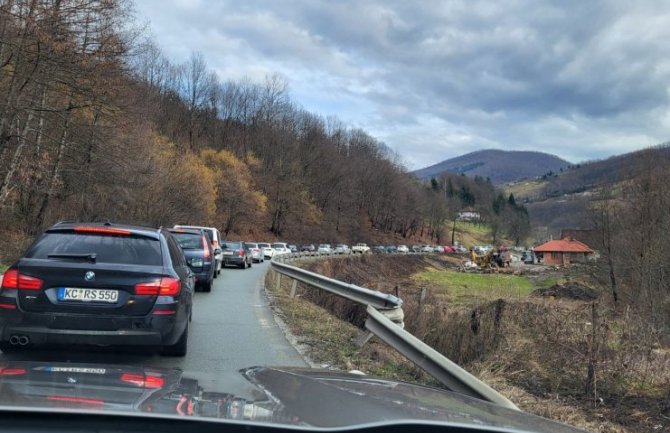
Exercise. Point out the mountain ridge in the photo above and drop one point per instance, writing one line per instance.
(499, 165)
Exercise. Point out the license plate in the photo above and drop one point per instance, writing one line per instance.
(87, 295)
(75, 370)
(197, 263)
(227, 253)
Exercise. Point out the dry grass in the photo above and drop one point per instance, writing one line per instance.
(536, 352)
(329, 342)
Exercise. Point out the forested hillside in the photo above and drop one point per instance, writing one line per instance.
(96, 123)
(563, 199)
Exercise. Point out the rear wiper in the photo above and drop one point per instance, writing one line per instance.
(86, 256)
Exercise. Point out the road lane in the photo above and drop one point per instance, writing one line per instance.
(232, 328)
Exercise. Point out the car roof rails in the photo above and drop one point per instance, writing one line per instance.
(64, 222)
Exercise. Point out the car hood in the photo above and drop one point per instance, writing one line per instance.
(284, 396)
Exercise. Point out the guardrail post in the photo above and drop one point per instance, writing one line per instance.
(363, 338)
(278, 281)
(294, 287)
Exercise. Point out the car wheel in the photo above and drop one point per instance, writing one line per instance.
(216, 273)
(180, 347)
(250, 263)
(207, 287)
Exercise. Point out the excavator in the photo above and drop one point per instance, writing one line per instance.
(492, 259)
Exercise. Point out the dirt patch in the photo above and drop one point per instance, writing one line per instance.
(574, 291)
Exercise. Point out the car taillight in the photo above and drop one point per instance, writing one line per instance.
(12, 371)
(14, 280)
(166, 286)
(242, 253)
(143, 381)
(101, 230)
(206, 248)
(78, 400)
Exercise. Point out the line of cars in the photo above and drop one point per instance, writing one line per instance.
(362, 248)
(112, 284)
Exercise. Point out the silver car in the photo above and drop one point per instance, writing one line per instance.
(257, 255)
(342, 249)
(324, 249)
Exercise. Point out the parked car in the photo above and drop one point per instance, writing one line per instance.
(360, 248)
(448, 249)
(416, 248)
(342, 249)
(257, 255)
(267, 250)
(402, 249)
(438, 249)
(391, 249)
(236, 253)
(280, 248)
(199, 255)
(215, 238)
(529, 257)
(310, 248)
(379, 249)
(426, 249)
(324, 249)
(293, 248)
(99, 284)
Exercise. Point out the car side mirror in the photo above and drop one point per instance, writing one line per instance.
(217, 250)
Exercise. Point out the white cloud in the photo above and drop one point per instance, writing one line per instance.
(437, 79)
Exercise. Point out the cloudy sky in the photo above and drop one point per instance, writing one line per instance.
(436, 79)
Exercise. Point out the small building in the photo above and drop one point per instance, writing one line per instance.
(469, 214)
(564, 252)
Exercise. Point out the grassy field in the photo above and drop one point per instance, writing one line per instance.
(469, 234)
(525, 189)
(469, 287)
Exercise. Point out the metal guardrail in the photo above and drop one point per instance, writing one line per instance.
(384, 320)
(352, 292)
(431, 361)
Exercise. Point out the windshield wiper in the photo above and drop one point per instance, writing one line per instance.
(85, 256)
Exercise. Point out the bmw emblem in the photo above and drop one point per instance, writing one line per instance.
(89, 276)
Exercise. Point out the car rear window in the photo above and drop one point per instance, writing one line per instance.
(232, 245)
(251, 245)
(108, 249)
(278, 246)
(189, 241)
(264, 245)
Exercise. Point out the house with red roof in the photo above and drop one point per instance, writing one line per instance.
(563, 252)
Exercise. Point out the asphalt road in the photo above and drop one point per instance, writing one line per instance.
(232, 328)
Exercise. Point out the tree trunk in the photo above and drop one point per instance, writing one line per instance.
(55, 172)
(4, 188)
